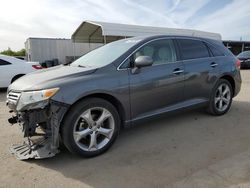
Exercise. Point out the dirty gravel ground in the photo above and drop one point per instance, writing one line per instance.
(190, 149)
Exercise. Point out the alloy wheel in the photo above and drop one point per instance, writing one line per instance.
(94, 129)
(222, 97)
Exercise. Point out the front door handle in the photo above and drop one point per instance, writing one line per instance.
(178, 71)
(213, 64)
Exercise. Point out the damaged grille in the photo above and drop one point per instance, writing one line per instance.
(13, 97)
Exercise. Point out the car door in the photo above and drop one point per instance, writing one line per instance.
(155, 88)
(200, 69)
(5, 73)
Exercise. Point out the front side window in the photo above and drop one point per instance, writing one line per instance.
(3, 62)
(192, 49)
(161, 51)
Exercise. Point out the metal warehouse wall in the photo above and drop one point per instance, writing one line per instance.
(42, 49)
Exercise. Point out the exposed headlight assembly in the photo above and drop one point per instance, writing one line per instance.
(35, 99)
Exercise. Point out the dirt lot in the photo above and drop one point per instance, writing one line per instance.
(191, 149)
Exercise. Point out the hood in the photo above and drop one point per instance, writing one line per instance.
(44, 78)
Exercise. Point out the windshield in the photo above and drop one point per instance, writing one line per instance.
(106, 54)
(245, 54)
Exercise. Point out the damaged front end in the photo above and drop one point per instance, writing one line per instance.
(40, 122)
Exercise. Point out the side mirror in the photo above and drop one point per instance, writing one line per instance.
(143, 61)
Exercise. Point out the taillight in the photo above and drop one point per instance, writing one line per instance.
(237, 63)
(37, 66)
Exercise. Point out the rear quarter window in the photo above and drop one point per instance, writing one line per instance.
(215, 52)
(192, 49)
(3, 62)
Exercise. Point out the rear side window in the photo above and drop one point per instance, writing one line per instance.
(192, 49)
(3, 62)
(216, 52)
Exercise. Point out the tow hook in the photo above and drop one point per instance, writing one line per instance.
(13, 120)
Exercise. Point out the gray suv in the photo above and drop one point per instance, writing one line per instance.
(85, 104)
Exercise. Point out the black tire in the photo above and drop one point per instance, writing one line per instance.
(212, 109)
(67, 129)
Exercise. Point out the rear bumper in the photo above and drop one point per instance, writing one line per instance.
(237, 89)
(238, 81)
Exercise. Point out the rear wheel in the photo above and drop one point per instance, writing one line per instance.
(221, 98)
(91, 127)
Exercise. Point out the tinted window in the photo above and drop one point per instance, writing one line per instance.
(3, 62)
(214, 50)
(192, 49)
(161, 51)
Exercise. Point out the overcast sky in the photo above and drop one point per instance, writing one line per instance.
(20, 19)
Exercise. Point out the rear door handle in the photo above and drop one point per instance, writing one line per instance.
(178, 71)
(213, 64)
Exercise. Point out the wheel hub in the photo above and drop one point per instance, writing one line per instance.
(94, 128)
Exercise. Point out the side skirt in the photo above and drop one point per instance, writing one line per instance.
(189, 104)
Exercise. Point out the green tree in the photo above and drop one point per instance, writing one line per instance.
(10, 52)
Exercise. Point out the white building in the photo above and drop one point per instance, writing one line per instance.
(47, 49)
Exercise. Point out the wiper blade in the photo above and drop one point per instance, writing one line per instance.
(82, 66)
(67, 64)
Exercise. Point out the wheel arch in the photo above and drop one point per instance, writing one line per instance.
(16, 77)
(110, 98)
(230, 79)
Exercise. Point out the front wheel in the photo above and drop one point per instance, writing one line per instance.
(221, 98)
(91, 127)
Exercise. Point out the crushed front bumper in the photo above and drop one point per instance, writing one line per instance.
(36, 149)
(41, 130)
